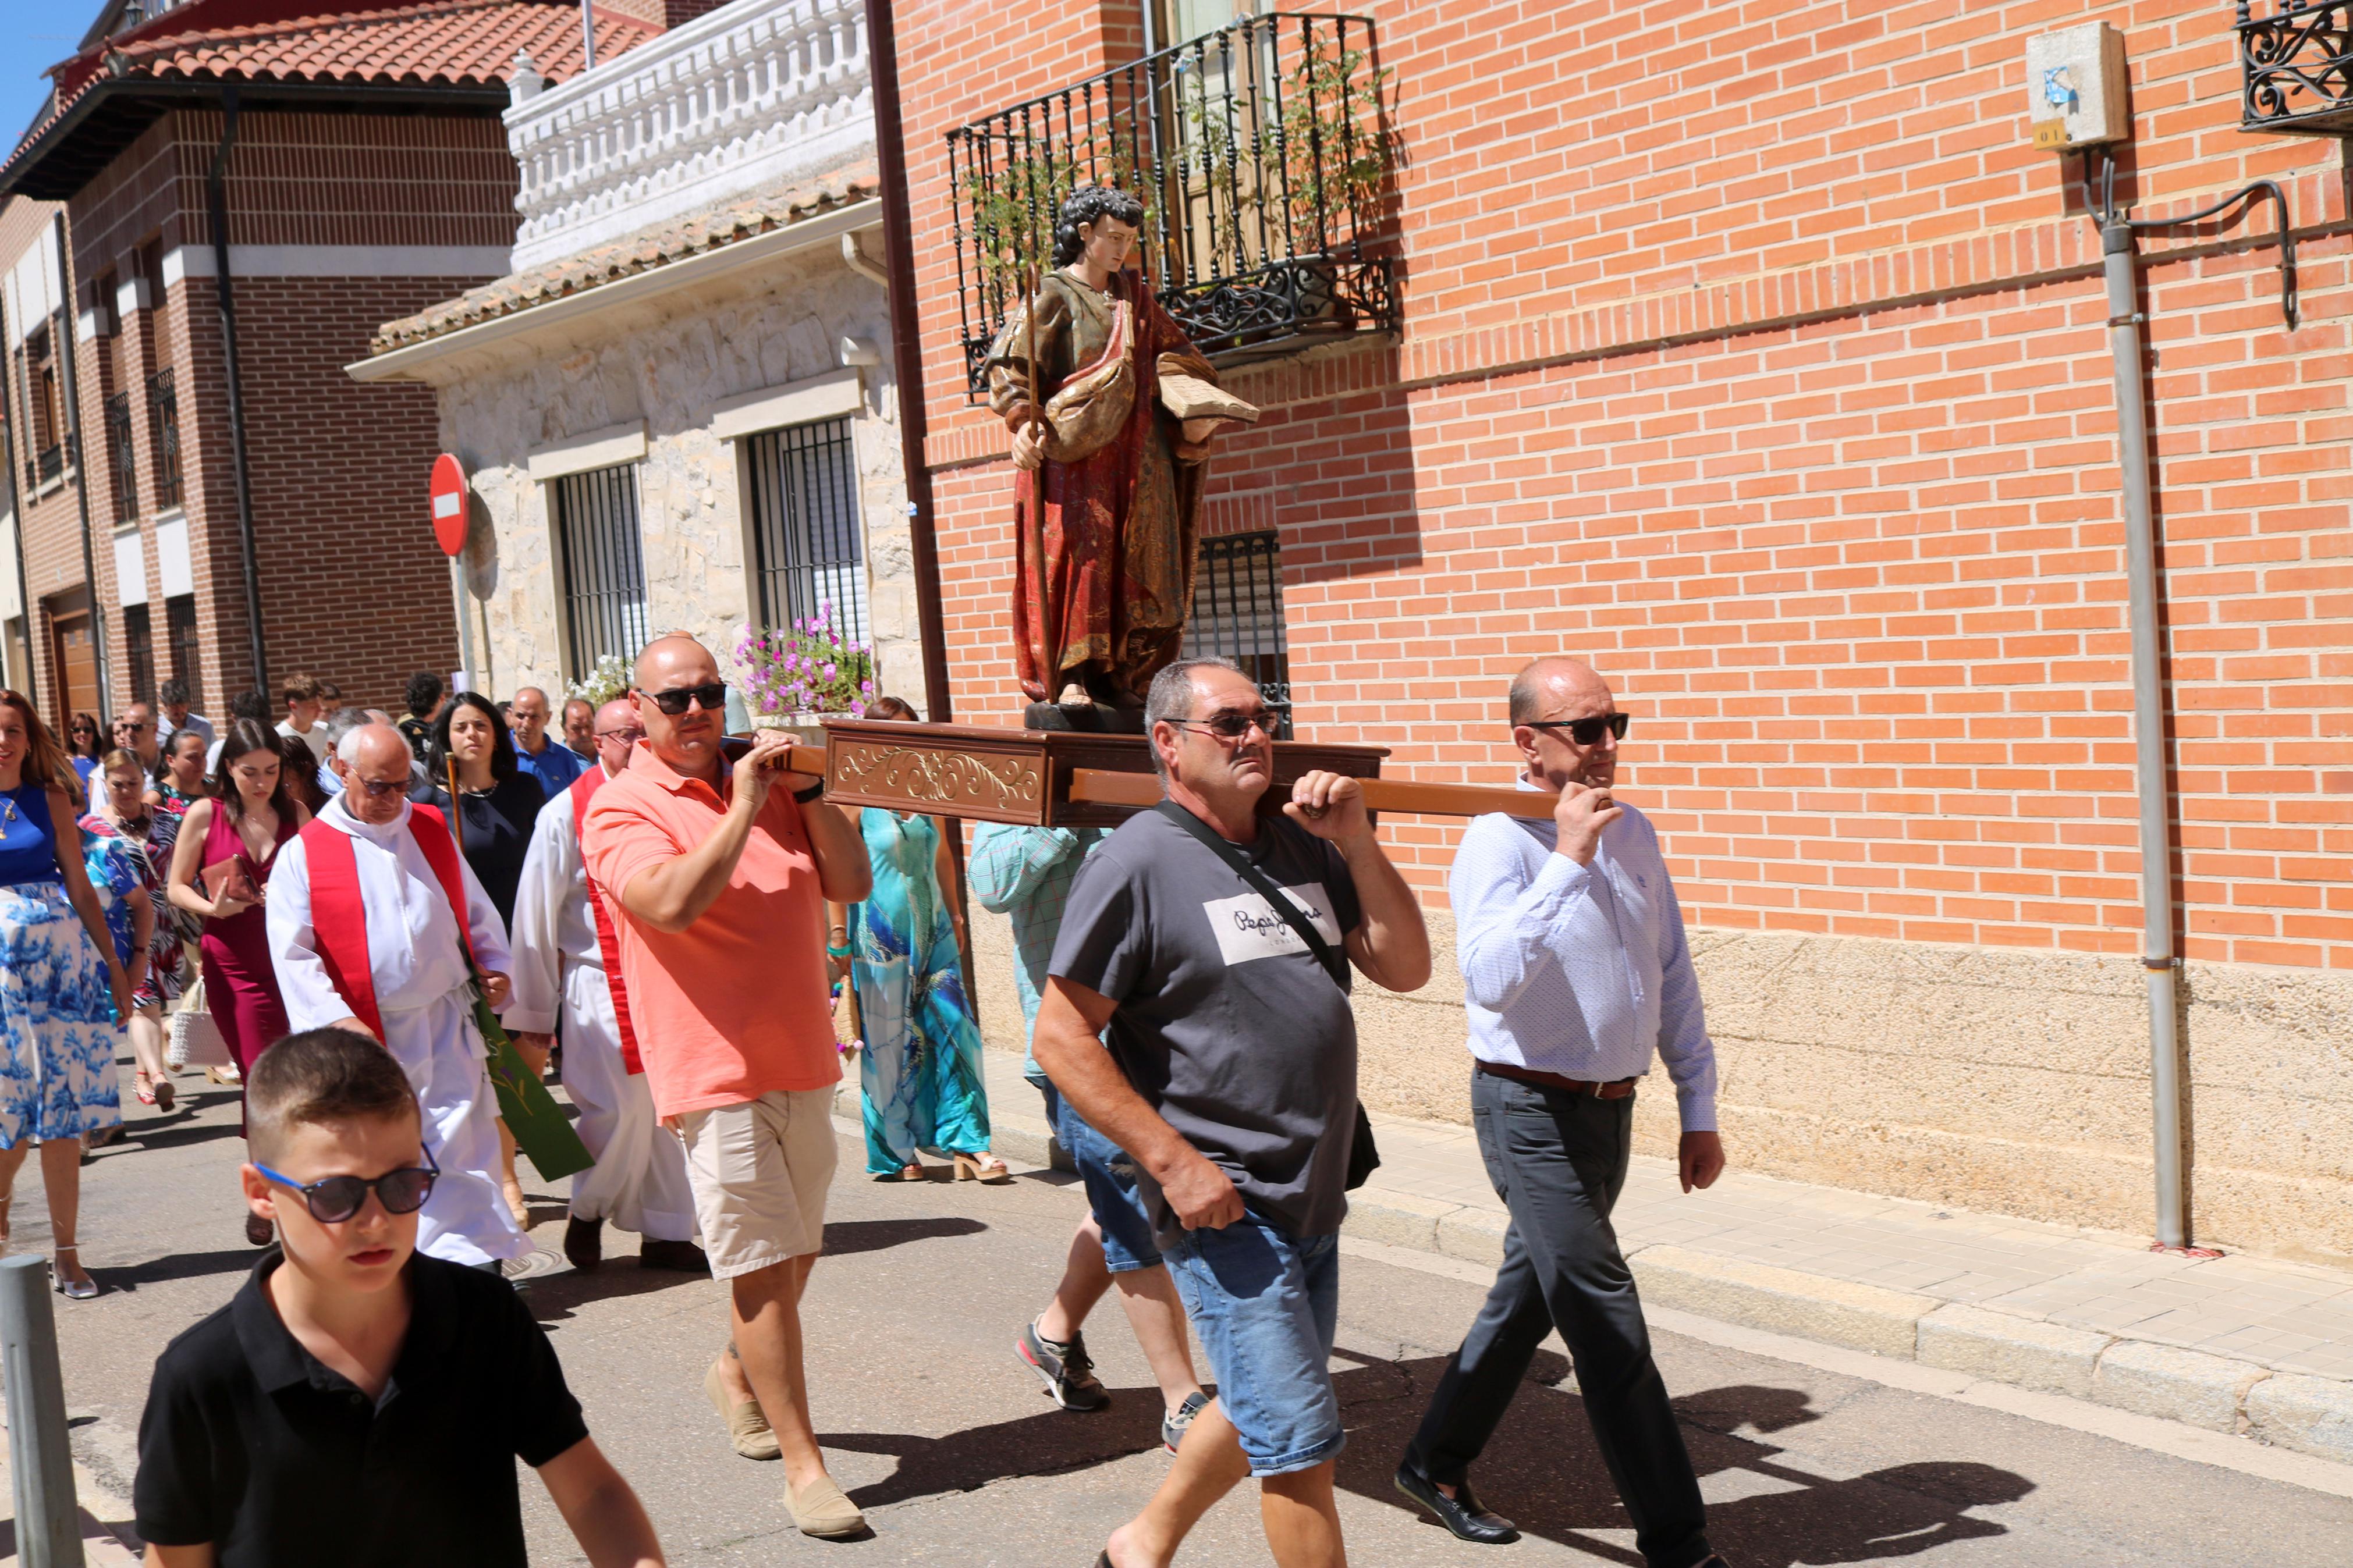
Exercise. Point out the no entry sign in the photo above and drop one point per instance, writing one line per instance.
(448, 504)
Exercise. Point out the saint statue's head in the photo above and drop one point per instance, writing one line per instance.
(1097, 215)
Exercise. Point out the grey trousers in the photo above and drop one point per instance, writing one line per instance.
(1558, 1161)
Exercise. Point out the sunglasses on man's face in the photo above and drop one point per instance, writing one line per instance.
(377, 788)
(1587, 732)
(1234, 726)
(674, 702)
(338, 1198)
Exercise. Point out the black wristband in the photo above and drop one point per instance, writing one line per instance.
(814, 791)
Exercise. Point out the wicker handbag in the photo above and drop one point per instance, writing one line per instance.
(196, 1041)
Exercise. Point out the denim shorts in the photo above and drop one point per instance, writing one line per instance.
(1109, 1176)
(1267, 1304)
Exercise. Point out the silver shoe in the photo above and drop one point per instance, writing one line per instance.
(76, 1289)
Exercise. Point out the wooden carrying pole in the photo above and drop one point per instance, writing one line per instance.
(1101, 786)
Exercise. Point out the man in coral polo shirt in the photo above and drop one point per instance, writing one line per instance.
(718, 878)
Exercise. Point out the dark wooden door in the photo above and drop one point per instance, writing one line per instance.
(76, 661)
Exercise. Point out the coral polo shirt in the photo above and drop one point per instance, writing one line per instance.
(736, 1004)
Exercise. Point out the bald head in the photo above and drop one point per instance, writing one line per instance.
(375, 759)
(669, 657)
(1564, 724)
(1553, 676)
(676, 666)
(617, 732)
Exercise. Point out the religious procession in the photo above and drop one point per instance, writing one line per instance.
(1647, 804)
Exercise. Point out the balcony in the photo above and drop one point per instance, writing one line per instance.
(126, 460)
(755, 94)
(164, 429)
(1264, 159)
(2295, 67)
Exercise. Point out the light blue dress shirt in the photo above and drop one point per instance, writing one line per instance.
(1576, 970)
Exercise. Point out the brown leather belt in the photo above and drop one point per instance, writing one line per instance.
(1617, 1089)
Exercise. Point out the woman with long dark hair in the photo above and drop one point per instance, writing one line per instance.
(56, 967)
(220, 870)
(83, 746)
(496, 804)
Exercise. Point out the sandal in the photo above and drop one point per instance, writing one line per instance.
(984, 1167)
(142, 1087)
(165, 1094)
(81, 1289)
(912, 1172)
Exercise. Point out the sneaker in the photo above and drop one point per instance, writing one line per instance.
(1068, 1371)
(1180, 1421)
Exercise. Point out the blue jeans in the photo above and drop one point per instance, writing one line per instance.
(1267, 1304)
(1109, 1176)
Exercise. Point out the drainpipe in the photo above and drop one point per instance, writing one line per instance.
(2158, 959)
(217, 194)
(70, 351)
(17, 511)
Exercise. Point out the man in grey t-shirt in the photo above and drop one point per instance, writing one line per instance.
(1231, 1081)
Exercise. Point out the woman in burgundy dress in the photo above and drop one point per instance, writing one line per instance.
(250, 814)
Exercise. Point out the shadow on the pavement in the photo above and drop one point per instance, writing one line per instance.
(1051, 1441)
(552, 1297)
(843, 1237)
(176, 1133)
(176, 1266)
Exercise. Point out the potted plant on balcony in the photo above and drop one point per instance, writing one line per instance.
(791, 679)
(609, 680)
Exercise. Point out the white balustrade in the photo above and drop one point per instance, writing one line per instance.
(756, 94)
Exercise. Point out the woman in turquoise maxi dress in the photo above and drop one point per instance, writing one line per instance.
(921, 1069)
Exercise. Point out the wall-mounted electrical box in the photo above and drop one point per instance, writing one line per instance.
(2075, 87)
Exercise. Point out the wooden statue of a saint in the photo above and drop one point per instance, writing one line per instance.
(1109, 480)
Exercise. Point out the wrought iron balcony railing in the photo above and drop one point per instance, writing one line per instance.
(2295, 67)
(48, 465)
(126, 457)
(164, 429)
(1262, 152)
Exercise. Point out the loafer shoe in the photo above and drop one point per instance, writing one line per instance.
(583, 1242)
(683, 1256)
(823, 1510)
(747, 1427)
(1460, 1513)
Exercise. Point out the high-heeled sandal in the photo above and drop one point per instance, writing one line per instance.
(142, 1087)
(984, 1167)
(165, 1094)
(81, 1289)
(912, 1172)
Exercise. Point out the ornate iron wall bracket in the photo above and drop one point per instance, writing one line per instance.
(2295, 67)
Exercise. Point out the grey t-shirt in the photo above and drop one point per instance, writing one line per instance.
(1228, 1025)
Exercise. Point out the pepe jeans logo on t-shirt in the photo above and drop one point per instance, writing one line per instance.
(1248, 927)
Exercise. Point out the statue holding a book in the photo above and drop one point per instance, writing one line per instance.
(1108, 480)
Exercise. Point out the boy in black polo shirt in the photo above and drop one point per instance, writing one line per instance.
(358, 1404)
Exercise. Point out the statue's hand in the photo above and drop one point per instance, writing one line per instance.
(1030, 447)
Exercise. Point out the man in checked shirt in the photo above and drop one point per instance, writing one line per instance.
(1025, 873)
(1575, 970)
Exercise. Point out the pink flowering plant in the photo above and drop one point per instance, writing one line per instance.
(813, 667)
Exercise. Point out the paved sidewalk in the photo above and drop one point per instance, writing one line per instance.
(2235, 1343)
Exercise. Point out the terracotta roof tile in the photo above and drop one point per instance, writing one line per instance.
(739, 218)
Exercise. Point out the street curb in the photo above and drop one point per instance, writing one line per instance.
(2306, 1415)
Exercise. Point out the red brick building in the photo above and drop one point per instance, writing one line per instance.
(363, 172)
(1754, 353)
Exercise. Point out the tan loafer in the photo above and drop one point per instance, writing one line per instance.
(823, 1510)
(747, 1428)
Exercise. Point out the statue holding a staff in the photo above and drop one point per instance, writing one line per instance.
(1108, 482)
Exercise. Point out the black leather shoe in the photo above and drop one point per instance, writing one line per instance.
(682, 1256)
(1460, 1513)
(584, 1243)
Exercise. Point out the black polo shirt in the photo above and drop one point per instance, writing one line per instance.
(249, 1442)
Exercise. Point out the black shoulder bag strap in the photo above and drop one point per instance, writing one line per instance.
(1364, 1159)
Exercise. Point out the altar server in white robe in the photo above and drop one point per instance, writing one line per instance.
(638, 1182)
(372, 874)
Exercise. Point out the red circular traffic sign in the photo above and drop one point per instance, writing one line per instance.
(448, 504)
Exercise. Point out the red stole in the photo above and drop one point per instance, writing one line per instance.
(607, 941)
(339, 920)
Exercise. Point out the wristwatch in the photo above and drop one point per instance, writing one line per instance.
(814, 791)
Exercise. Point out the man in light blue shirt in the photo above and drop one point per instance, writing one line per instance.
(553, 765)
(1575, 972)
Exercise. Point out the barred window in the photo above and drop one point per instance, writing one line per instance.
(139, 644)
(164, 429)
(1237, 613)
(180, 631)
(807, 539)
(601, 560)
(126, 461)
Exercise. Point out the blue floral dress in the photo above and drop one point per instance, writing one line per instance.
(119, 864)
(57, 1032)
(921, 1069)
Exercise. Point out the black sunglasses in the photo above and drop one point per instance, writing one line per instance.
(1587, 732)
(338, 1198)
(674, 702)
(376, 788)
(1233, 726)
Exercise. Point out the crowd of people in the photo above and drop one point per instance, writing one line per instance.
(381, 906)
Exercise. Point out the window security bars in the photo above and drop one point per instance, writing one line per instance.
(806, 533)
(180, 633)
(1237, 613)
(2296, 66)
(1261, 153)
(602, 564)
(164, 422)
(126, 460)
(139, 644)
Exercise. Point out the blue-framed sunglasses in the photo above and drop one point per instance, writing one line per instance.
(337, 1198)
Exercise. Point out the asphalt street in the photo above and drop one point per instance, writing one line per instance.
(947, 1443)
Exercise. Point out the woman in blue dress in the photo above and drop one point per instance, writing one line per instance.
(921, 1069)
(57, 969)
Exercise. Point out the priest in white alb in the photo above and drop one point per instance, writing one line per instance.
(565, 970)
(372, 911)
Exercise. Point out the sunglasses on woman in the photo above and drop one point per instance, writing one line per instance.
(337, 1199)
(674, 702)
(1585, 732)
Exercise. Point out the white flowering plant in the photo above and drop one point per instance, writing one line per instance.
(609, 680)
(813, 667)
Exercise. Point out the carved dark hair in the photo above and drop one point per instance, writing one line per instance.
(1090, 204)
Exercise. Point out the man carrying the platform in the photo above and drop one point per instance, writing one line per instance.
(566, 968)
(718, 876)
(376, 924)
(1576, 974)
(1231, 1081)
